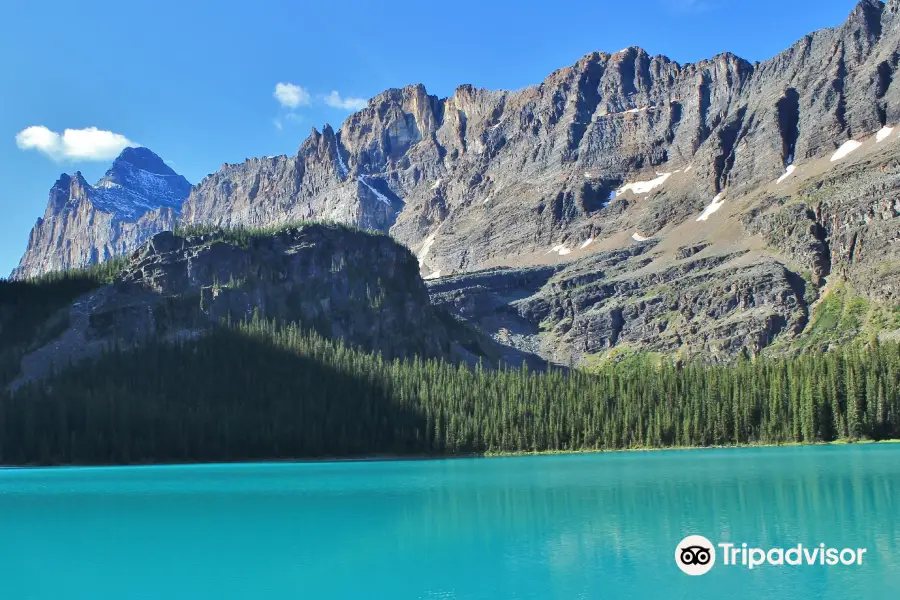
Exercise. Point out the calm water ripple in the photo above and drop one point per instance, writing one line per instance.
(566, 527)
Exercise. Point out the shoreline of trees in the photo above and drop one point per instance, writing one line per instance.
(260, 391)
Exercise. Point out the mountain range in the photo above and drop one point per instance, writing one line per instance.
(626, 202)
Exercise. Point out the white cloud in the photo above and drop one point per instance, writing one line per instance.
(334, 100)
(290, 95)
(73, 144)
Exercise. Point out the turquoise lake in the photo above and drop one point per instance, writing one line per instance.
(567, 527)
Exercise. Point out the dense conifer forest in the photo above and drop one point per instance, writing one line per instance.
(29, 310)
(258, 390)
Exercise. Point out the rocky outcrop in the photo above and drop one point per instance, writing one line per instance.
(363, 289)
(482, 178)
(83, 224)
(714, 305)
(689, 251)
(794, 231)
(845, 223)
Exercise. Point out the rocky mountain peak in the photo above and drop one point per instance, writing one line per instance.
(327, 130)
(141, 158)
(67, 193)
(310, 146)
(78, 186)
(867, 8)
(83, 224)
(865, 22)
(59, 193)
(62, 182)
(142, 171)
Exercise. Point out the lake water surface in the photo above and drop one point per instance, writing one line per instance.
(551, 527)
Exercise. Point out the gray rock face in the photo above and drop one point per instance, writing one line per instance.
(795, 231)
(484, 177)
(139, 195)
(364, 289)
(314, 184)
(845, 223)
(713, 305)
(713, 298)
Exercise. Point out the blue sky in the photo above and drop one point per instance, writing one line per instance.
(197, 82)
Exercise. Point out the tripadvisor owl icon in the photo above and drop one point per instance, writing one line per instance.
(695, 555)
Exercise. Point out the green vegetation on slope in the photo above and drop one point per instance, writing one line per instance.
(843, 315)
(26, 308)
(25, 305)
(242, 236)
(259, 391)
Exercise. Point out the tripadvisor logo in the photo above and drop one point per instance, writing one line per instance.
(696, 555)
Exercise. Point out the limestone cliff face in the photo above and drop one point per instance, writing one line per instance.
(483, 177)
(712, 305)
(139, 195)
(843, 225)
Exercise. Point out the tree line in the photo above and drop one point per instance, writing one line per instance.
(259, 390)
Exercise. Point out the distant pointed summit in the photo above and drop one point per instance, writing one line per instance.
(138, 181)
(83, 224)
(144, 159)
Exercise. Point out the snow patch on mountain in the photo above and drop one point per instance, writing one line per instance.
(716, 204)
(787, 173)
(342, 166)
(129, 191)
(426, 247)
(845, 150)
(364, 179)
(645, 187)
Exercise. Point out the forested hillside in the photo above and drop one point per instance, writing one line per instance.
(256, 390)
(30, 310)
